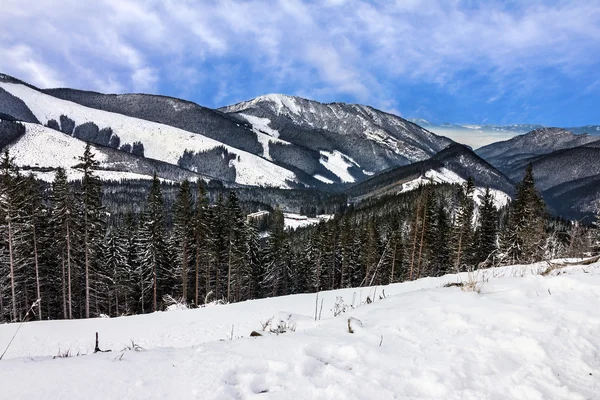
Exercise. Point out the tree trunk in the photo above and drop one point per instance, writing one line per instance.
(37, 274)
(87, 267)
(422, 237)
(12, 268)
(69, 271)
(184, 272)
(155, 278)
(414, 245)
(64, 286)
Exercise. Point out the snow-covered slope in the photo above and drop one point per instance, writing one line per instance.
(373, 139)
(524, 336)
(454, 164)
(161, 142)
(503, 155)
(41, 150)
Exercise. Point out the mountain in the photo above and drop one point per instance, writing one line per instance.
(172, 145)
(566, 167)
(455, 164)
(41, 150)
(349, 140)
(506, 154)
(274, 140)
(479, 135)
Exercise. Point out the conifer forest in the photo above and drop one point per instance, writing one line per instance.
(62, 245)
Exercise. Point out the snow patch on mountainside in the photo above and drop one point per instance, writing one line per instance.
(261, 124)
(264, 133)
(45, 147)
(42, 147)
(294, 221)
(161, 142)
(444, 175)
(525, 336)
(338, 163)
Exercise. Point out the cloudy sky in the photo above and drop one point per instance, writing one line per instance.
(495, 62)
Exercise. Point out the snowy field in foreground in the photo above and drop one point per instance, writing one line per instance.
(525, 336)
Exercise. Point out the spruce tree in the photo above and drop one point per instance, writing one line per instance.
(488, 230)
(64, 221)
(183, 228)
(93, 217)
(153, 244)
(238, 273)
(463, 226)
(201, 242)
(277, 275)
(522, 240)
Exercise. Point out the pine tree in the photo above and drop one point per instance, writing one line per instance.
(442, 258)
(201, 243)
(153, 244)
(11, 209)
(114, 262)
(63, 219)
(488, 230)
(463, 226)
(277, 275)
(184, 235)
(93, 217)
(524, 232)
(237, 255)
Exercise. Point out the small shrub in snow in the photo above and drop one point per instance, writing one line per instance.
(279, 325)
(339, 307)
(174, 304)
(133, 346)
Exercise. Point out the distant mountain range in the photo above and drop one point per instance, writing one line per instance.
(280, 141)
(566, 166)
(476, 136)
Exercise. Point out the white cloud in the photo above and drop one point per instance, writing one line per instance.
(333, 48)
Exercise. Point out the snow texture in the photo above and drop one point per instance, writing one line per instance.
(161, 142)
(294, 221)
(525, 336)
(338, 163)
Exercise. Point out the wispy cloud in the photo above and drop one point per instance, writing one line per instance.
(363, 51)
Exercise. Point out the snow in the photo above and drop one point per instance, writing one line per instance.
(323, 179)
(294, 221)
(338, 163)
(282, 101)
(525, 336)
(261, 124)
(264, 133)
(444, 175)
(43, 147)
(161, 142)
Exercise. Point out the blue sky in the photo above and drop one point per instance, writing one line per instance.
(496, 62)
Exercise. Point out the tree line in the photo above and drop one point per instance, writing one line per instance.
(62, 246)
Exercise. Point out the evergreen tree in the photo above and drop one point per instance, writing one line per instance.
(238, 279)
(153, 244)
(488, 230)
(463, 226)
(64, 221)
(114, 263)
(201, 243)
(184, 235)
(442, 257)
(524, 232)
(277, 275)
(11, 209)
(93, 217)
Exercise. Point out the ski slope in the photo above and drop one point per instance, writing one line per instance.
(524, 336)
(161, 142)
